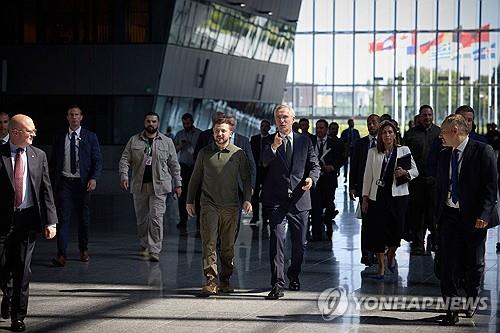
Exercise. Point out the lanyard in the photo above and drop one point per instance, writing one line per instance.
(387, 159)
(148, 150)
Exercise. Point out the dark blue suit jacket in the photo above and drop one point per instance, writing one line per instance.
(89, 154)
(477, 184)
(278, 175)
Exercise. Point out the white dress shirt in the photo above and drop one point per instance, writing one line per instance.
(27, 195)
(288, 137)
(67, 155)
(5, 139)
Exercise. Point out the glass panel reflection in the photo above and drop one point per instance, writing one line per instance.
(220, 29)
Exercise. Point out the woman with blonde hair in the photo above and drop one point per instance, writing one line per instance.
(389, 168)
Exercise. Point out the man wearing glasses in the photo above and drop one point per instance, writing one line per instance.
(27, 207)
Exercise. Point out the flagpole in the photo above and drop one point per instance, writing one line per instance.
(403, 109)
(495, 107)
(449, 88)
(489, 85)
(431, 92)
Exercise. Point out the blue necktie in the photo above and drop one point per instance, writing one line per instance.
(72, 152)
(454, 176)
(374, 143)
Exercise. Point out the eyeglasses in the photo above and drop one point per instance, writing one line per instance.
(30, 132)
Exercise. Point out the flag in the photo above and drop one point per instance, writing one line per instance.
(382, 45)
(484, 52)
(442, 52)
(425, 47)
(410, 49)
(469, 38)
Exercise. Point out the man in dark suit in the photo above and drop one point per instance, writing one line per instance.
(356, 173)
(331, 157)
(256, 145)
(304, 127)
(4, 127)
(75, 166)
(466, 208)
(350, 136)
(468, 113)
(292, 169)
(420, 214)
(27, 207)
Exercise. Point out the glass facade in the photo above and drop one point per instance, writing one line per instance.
(216, 28)
(357, 57)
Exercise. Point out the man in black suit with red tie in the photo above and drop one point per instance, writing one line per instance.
(356, 173)
(292, 168)
(27, 207)
(331, 156)
(466, 208)
(256, 145)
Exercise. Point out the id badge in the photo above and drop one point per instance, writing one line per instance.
(380, 183)
(148, 160)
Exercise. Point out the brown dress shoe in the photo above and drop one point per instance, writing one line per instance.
(84, 256)
(59, 261)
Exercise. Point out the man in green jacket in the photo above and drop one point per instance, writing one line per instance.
(217, 168)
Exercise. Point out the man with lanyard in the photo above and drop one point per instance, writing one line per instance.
(152, 157)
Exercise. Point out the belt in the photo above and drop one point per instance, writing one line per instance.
(22, 210)
(71, 179)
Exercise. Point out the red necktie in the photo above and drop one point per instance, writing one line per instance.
(18, 178)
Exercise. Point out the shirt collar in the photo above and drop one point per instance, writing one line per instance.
(289, 136)
(145, 138)
(77, 131)
(372, 137)
(13, 148)
(6, 138)
(461, 146)
(225, 150)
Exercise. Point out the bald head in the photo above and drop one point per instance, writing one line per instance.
(22, 130)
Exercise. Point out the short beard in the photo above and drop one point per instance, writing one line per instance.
(150, 130)
(222, 143)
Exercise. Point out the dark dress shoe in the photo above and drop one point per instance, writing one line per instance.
(17, 326)
(450, 319)
(469, 313)
(59, 261)
(367, 261)
(5, 307)
(294, 283)
(275, 293)
(84, 256)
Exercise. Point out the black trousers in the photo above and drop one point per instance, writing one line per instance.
(17, 251)
(259, 180)
(186, 172)
(461, 253)
(421, 208)
(73, 200)
(365, 234)
(297, 225)
(323, 199)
